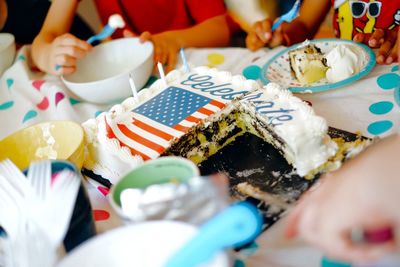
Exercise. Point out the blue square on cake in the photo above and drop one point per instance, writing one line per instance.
(172, 106)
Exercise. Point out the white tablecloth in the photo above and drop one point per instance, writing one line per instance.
(369, 106)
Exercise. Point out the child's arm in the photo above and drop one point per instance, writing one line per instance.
(213, 32)
(312, 13)
(54, 50)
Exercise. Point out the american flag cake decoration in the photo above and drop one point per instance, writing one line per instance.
(156, 122)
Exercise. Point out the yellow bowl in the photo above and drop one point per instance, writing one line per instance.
(61, 140)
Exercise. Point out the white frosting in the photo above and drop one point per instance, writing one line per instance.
(343, 61)
(293, 121)
(304, 133)
(48, 151)
(115, 21)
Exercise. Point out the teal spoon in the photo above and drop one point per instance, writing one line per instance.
(289, 16)
(235, 226)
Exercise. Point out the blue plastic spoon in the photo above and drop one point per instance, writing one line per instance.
(114, 21)
(289, 16)
(235, 226)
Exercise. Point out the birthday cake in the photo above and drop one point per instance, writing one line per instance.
(195, 114)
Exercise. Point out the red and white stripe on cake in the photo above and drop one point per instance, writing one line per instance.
(148, 138)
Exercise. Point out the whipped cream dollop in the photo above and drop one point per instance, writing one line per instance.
(343, 61)
(116, 21)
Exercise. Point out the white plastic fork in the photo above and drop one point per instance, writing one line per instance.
(59, 206)
(15, 177)
(289, 16)
(39, 176)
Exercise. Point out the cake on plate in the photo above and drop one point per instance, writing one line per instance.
(195, 114)
(308, 63)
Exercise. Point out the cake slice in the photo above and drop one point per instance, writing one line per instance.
(308, 64)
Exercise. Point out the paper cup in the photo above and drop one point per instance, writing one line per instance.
(158, 171)
(61, 140)
(148, 244)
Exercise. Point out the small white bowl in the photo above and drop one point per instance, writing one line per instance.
(148, 244)
(7, 51)
(103, 75)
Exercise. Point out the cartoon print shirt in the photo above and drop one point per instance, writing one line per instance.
(354, 16)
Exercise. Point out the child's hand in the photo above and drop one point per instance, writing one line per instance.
(261, 35)
(362, 195)
(166, 47)
(384, 41)
(64, 51)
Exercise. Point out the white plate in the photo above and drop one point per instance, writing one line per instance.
(278, 69)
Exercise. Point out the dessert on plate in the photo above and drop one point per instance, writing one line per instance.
(309, 64)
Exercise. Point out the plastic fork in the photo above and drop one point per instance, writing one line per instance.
(59, 206)
(289, 16)
(15, 177)
(39, 176)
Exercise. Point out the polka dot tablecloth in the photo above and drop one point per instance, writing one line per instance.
(370, 106)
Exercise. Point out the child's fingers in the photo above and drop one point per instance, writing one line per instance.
(359, 37)
(64, 70)
(72, 51)
(263, 30)
(393, 56)
(385, 48)
(160, 54)
(65, 61)
(376, 38)
(128, 33)
(70, 40)
(146, 36)
(172, 58)
(277, 38)
(253, 42)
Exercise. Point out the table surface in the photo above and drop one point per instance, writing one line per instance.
(370, 106)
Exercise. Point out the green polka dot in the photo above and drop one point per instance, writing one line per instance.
(74, 101)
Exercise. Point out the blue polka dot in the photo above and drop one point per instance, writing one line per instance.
(97, 113)
(395, 68)
(21, 57)
(397, 95)
(380, 127)
(239, 263)
(252, 72)
(29, 115)
(388, 81)
(6, 105)
(329, 263)
(382, 107)
(10, 83)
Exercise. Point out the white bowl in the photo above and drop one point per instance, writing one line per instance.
(147, 244)
(103, 75)
(7, 51)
